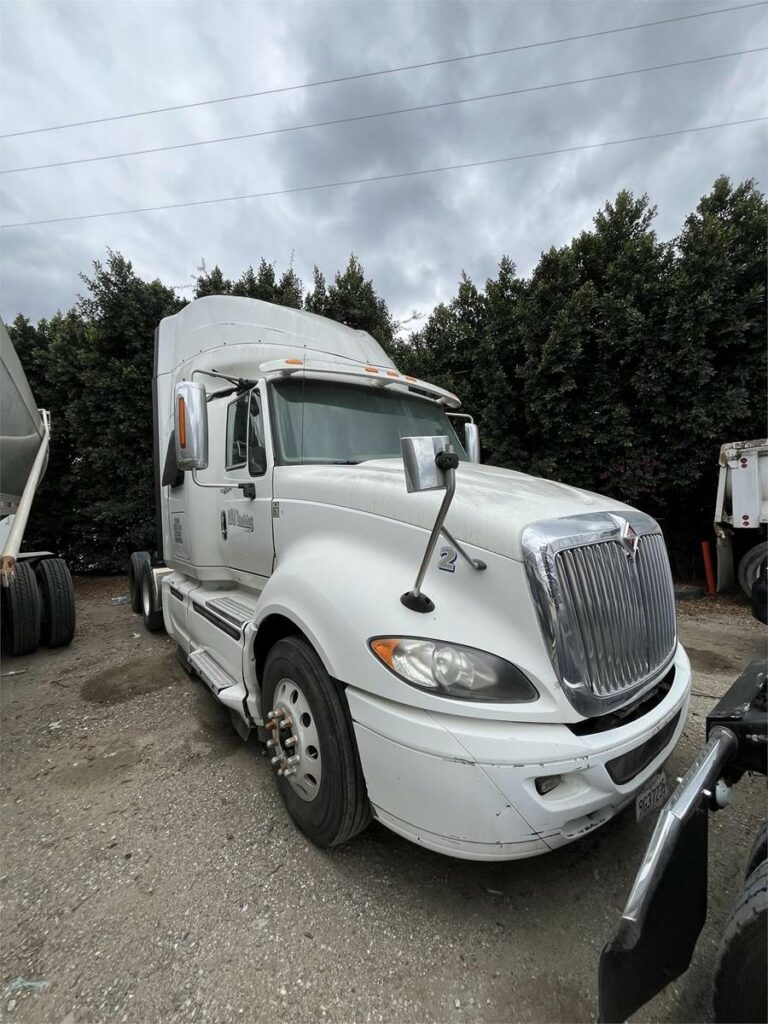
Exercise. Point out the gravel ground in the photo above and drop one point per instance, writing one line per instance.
(149, 872)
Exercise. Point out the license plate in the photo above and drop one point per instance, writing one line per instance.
(652, 796)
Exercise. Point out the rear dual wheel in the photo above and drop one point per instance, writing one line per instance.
(750, 566)
(58, 602)
(22, 612)
(312, 745)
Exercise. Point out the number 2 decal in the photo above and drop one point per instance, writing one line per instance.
(447, 559)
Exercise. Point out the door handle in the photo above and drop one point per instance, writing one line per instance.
(224, 525)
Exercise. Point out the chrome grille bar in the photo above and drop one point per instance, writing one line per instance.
(605, 601)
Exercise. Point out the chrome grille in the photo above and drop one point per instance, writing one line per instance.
(622, 611)
(602, 588)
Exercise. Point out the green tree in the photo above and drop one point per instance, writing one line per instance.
(213, 282)
(316, 301)
(352, 300)
(93, 368)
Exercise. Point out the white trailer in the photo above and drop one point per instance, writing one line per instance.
(37, 600)
(741, 508)
(524, 689)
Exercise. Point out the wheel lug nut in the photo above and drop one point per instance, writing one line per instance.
(275, 760)
(293, 760)
(290, 742)
(271, 715)
(286, 723)
(288, 771)
(271, 744)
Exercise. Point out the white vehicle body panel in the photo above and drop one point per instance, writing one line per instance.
(331, 548)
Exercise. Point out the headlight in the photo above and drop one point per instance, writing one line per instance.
(450, 670)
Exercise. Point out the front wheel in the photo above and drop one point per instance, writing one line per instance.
(312, 745)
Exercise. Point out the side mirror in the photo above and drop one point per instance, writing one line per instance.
(421, 471)
(430, 465)
(190, 419)
(472, 441)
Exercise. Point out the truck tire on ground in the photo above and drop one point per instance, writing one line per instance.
(339, 809)
(58, 602)
(759, 851)
(749, 566)
(740, 993)
(153, 619)
(135, 571)
(21, 610)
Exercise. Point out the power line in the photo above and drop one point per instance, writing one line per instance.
(383, 177)
(381, 113)
(388, 71)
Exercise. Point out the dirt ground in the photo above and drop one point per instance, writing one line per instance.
(149, 872)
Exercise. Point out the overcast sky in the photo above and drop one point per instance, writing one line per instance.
(67, 61)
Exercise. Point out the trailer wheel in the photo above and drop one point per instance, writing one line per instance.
(58, 602)
(135, 571)
(759, 851)
(323, 789)
(740, 993)
(21, 613)
(153, 619)
(749, 566)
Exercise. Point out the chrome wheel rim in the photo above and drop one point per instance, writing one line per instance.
(294, 740)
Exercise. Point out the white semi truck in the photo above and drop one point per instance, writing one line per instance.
(524, 689)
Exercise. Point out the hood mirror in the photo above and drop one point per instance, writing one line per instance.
(190, 421)
(472, 441)
(430, 465)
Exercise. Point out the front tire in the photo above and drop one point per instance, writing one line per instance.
(335, 807)
(58, 602)
(740, 994)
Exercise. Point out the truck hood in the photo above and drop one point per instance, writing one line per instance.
(490, 509)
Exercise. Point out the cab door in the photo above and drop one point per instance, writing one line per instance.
(245, 510)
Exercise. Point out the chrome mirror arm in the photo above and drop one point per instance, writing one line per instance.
(446, 462)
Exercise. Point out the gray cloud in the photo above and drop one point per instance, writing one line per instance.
(67, 61)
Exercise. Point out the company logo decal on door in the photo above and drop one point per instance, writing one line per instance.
(237, 518)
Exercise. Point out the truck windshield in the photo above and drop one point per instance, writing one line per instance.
(332, 423)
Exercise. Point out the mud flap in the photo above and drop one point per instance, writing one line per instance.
(640, 961)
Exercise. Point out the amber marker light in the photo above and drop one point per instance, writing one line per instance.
(371, 369)
(182, 423)
(385, 649)
(294, 362)
(391, 373)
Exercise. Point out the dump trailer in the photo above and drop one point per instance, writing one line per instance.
(37, 600)
(485, 662)
(741, 514)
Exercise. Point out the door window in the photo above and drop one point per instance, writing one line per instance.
(237, 433)
(245, 435)
(257, 456)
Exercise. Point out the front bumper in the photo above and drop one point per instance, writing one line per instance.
(466, 786)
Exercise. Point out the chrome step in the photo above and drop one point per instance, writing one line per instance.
(213, 674)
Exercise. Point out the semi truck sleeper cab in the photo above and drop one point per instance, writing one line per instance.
(535, 689)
